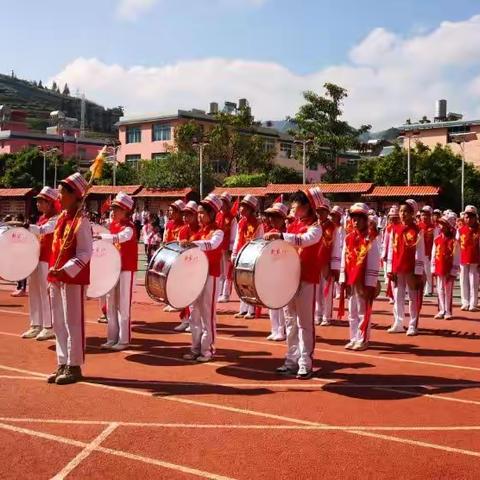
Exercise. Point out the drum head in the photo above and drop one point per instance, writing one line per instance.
(186, 278)
(277, 274)
(19, 253)
(105, 266)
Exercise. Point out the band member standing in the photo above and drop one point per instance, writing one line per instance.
(119, 300)
(68, 275)
(249, 228)
(428, 228)
(228, 223)
(393, 218)
(359, 276)
(203, 318)
(40, 311)
(305, 235)
(405, 267)
(276, 216)
(329, 260)
(175, 221)
(445, 264)
(469, 237)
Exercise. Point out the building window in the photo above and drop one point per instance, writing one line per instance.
(161, 133)
(133, 159)
(134, 135)
(159, 156)
(269, 145)
(286, 149)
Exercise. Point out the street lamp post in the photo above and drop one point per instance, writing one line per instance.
(201, 145)
(304, 144)
(44, 154)
(113, 158)
(461, 139)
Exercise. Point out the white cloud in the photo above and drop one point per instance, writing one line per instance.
(389, 78)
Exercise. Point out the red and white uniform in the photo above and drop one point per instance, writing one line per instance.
(445, 264)
(429, 233)
(329, 252)
(203, 317)
(38, 298)
(359, 270)
(228, 223)
(469, 240)
(249, 228)
(172, 229)
(406, 258)
(119, 300)
(305, 234)
(67, 292)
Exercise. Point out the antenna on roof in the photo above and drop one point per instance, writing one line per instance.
(82, 116)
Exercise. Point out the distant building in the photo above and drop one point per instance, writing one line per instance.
(440, 130)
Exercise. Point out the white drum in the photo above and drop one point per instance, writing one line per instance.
(105, 267)
(267, 273)
(176, 275)
(19, 253)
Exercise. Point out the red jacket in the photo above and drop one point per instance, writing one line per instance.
(326, 243)
(247, 227)
(469, 244)
(129, 249)
(224, 222)
(405, 238)
(187, 233)
(45, 240)
(444, 252)
(172, 229)
(214, 256)
(428, 234)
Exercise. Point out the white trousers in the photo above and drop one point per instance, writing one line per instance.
(119, 304)
(247, 308)
(38, 298)
(324, 303)
(277, 321)
(68, 322)
(300, 327)
(469, 285)
(429, 277)
(225, 284)
(445, 294)
(203, 320)
(359, 323)
(399, 291)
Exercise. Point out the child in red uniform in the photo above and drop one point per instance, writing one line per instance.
(228, 223)
(203, 318)
(405, 266)
(305, 234)
(40, 312)
(249, 228)
(445, 264)
(393, 218)
(68, 275)
(428, 228)
(276, 216)
(468, 236)
(175, 222)
(359, 275)
(189, 232)
(123, 235)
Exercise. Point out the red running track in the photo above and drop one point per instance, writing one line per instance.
(407, 408)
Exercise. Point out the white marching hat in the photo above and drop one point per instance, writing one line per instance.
(471, 209)
(77, 183)
(338, 210)
(427, 209)
(412, 204)
(214, 201)
(191, 206)
(278, 209)
(226, 196)
(316, 198)
(48, 193)
(123, 200)
(393, 212)
(178, 204)
(449, 219)
(250, 200)
(359, 209)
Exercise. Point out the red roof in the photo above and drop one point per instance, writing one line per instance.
(160, 192)
(111, 190)
(15, 192)
(405, 191)
(241, 191)
(276, 189)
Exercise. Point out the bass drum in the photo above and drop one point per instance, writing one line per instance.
(105, 266)
(176, 275)
(267, 273)
(19, 253)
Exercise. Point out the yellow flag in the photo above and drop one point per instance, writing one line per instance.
(96, 168)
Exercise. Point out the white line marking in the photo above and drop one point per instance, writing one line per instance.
(118, 453)
(245, 426)
(93, 445)
(430, 395)
(19, 377)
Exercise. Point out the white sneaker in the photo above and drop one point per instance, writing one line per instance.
(303, 373)
(396, 328)
(249, 316)
(439, 316)
(204, 359)
(188, 329)
(182, 327)
(474, 309)
(118, 347)
(464, 308)
(390, 301)
(359, 346)
(325, 323)
(190, 356)
(239, 315)
(45, 334)
(32, 332)
(318, 321)
(350, 345)
(223, 299)
(170, 309)
(412, 332)
(279, 337)
(108, 345)
(271, 336)
(448, 316)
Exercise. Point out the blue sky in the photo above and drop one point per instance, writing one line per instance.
(303, 37)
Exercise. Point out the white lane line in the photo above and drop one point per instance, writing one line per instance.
(118, 453)
(93, 445)
(19, 377)
(245, 426)
(350, 353)
(430, 395)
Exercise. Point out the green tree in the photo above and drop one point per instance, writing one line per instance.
(279, 174)
(66, 90)
(388, 170)
(319, 120)
(126, 174)
(246, 180)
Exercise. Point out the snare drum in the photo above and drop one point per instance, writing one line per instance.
(105, 267)
(19, 253)
(267, 273)
(176, 275)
